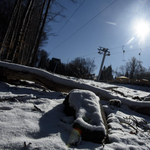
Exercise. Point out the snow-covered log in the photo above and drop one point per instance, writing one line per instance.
(65, 84)
(90, 120)
(47, 79)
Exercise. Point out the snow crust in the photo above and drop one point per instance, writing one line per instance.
(122, 135)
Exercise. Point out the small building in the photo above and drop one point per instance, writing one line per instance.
(56, 60)
(122, 79)
(54, 65)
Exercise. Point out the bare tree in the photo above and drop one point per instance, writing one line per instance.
(39, 33)
(26, 17)
(12, 20)
(22, 49)
(27, 29)
(81, 67)
(133, 69)
(15, 32)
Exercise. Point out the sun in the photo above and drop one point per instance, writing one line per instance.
(142, 29)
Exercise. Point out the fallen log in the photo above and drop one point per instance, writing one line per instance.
(88, 113)
(65, 84)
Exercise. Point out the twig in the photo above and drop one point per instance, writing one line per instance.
(130, 126)
(25, 145)
(36, 108)
(103, 141)
(140, 126)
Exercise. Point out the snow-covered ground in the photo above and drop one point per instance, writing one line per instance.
(31, 118)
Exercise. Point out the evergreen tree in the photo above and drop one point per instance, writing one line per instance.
(106, 73)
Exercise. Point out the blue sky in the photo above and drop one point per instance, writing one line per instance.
(114, 28)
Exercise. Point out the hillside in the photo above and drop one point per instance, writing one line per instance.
(31, 116)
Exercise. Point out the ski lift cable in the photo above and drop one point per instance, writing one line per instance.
(84, 25)
(67, 20)
(131, 50)
(115, 52)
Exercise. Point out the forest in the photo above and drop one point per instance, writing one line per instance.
(24, 31)
(133, 69)
(25, 27)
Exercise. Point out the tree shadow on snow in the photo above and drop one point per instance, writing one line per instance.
(49, 124)
(4, 87)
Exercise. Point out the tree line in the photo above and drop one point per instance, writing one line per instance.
(79, 67)
(24, 28)
(133, 69)
(82, 68)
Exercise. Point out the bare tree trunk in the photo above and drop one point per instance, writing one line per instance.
(9, 27)
(22, 29)
(27, 48)
(38, 30)
(15, 31)
(32, 38)
(25, 33)
(37, 42)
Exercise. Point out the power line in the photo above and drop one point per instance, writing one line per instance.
(115, 52)
(121, 46)
(67, 20)
(84, 25)
(130, 50)
(112, 49)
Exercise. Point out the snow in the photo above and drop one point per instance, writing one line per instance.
(133, 90)
(122, 135)
(95, 87)
(88, 112)
(23, 127)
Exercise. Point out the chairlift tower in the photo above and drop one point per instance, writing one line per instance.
(105, 53)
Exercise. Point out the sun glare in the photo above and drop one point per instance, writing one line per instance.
(142, 29)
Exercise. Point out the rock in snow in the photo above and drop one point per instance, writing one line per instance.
(89, 116)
